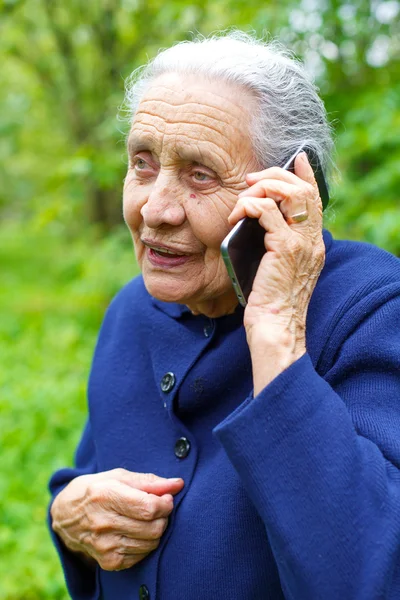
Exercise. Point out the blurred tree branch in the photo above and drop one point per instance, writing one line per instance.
(64, 65)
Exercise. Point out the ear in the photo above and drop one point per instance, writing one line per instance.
(303, 169)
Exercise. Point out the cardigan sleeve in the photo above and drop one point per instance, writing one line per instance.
(81, 579)
(320, 459)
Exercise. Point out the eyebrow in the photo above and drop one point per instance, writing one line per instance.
(143, 144)
(136, 144)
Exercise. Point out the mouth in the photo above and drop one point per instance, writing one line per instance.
(164, 256)
(162, 249)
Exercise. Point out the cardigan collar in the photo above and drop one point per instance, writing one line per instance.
(171, 308)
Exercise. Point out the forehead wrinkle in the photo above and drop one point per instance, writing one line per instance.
(144, 139)
(195, 109)
(223, 97)
(222, 130)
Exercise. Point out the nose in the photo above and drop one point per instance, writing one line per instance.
(164, 204)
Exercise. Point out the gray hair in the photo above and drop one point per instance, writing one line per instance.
(289, 109)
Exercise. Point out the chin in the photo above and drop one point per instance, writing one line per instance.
(164, 290)
(168, 290)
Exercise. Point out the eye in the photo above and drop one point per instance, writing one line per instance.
(200, 176)
(140, 163)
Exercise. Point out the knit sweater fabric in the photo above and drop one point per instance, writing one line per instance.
(294, 493)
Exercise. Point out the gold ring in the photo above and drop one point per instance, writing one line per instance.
(298, 218)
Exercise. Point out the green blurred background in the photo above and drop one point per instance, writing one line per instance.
(64, 251)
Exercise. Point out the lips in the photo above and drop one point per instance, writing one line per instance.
(164, 251)
(163, 256)
(163, 248)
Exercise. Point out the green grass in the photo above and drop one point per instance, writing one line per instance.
(53, 295)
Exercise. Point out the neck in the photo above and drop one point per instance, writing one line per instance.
(215, 307)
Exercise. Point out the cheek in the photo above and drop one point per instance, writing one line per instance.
(208, 218)
(134, 197)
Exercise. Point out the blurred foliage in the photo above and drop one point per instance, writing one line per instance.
(63, 66)
(63, 253)
(52, 299)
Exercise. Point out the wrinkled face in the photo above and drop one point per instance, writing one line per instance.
(189, 151)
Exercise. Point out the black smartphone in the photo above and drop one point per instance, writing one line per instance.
(243, 247)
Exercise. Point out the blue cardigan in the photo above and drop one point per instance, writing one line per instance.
(292, 494)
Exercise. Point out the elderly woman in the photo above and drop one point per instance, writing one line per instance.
(236, 454)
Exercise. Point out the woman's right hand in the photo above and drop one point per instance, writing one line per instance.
(116, 517)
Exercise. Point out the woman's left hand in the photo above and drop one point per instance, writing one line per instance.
(275, 316)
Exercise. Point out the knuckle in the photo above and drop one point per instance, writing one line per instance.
(98, 524)
(294, 245)
(311, 189)
(118, 561)
(149, 545)
(119, 472)
(85, 540)
(95, 492)
(157, 528)
(268, 204)
(150, 477)
(149, 509)
(258, 188)
(100, 544)
(112, 562)
(143, 546)
(273, 172)
(281, 192)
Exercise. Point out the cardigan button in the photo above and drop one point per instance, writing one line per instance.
(182, 447)
(144, 593)
(207, 330)
(168, 382)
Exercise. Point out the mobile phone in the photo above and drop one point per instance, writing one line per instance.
(243, 247)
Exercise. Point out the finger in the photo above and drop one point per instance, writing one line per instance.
(272, 173)
(117, 561)
(130, 560)
(263, 209)
(295, 207)
(239, 211)
(271, 188)
(148, 482)
(104, 546)
(116, 524)
(304, 170)
(292, 199)
(313, 201)
(142, 530)
(130, 502)
(147, 507)
(115, 553)
(129, 546)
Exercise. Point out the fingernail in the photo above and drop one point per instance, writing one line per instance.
(174, 479)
